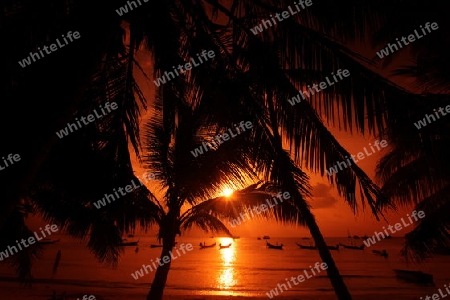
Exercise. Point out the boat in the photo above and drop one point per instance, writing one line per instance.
(126, 243)
(414, 276)
(266, 237)
(356, 237)
(334, 247)
(271, 246)
(353, 247)
(365, 237)
(203, 246)
(306, 247)
(305, 238)
(48, 241)
(224, 246)
(258, 238)
(381, 253)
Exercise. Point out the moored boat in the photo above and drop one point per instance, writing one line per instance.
(414, 276)
(306, 247)
(48, 241)
(353, 247)
(333, 247)
(381, 253)
(271, 246)
(203, 245)
(126, 243)
(224, 246)
(266, 237)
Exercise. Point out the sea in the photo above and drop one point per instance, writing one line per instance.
(248, 268)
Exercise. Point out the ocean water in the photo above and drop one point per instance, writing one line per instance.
(248, 268)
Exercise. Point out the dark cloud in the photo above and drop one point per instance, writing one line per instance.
(322, 197)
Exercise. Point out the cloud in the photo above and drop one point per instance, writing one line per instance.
(322, 197)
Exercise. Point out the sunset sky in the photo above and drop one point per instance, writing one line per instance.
(132, 191)
(334, 216)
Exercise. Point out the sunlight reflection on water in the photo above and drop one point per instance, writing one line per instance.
(226, 276)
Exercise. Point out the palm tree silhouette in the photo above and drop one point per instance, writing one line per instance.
(250, 78)
(103, 147)
(189, 182)
(415, 171)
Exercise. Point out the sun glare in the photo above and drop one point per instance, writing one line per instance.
(227, 192)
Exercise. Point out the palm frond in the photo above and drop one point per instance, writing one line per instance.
(206, 222)
(242, 202)
(14, 230)
(431, 234)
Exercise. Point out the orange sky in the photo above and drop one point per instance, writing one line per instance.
(334, 216)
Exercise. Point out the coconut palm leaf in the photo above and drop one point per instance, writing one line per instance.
(415, 172)
(286, 112)
(102, 228)
(206, 222)
(15, 230)
(71, 82)
(229, 208)
(431, 233)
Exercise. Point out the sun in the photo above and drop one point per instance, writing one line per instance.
(227, 192)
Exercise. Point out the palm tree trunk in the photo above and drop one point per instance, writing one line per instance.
(333, 273)
(159, 282)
